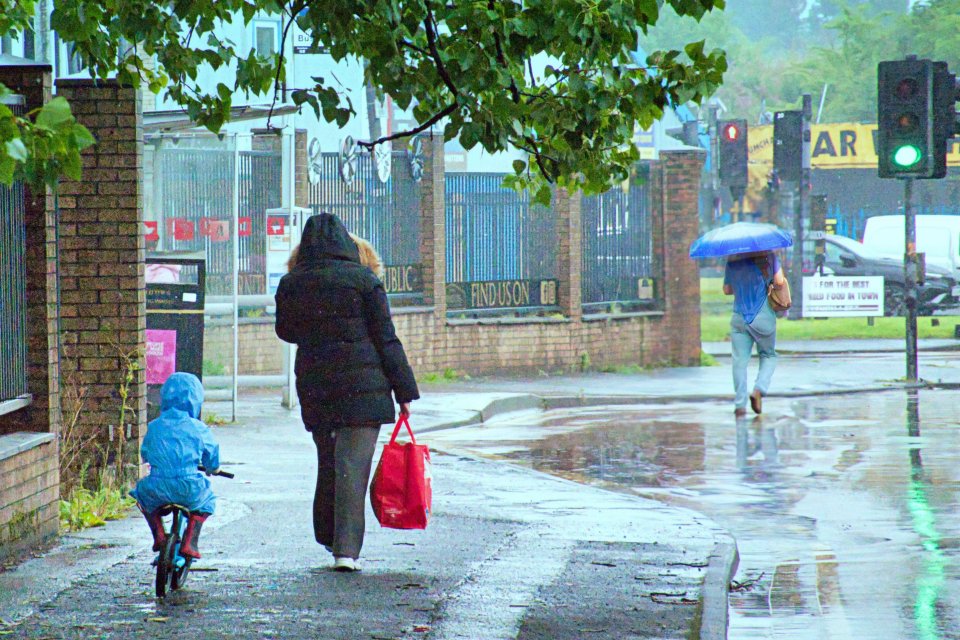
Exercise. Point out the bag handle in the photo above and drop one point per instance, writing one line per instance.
(402, 421)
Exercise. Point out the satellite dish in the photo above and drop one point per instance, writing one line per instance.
(314, 161)
(415, 153)
(349, 159)
(382, 155)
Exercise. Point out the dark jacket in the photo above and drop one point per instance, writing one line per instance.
(335, 310)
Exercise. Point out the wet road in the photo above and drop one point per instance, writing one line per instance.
(844, 507)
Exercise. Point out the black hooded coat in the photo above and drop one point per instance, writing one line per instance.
(335, 310)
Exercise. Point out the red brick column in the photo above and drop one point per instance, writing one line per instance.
(679, 199)
(566, 209)
(433, 227)
(103, 311)
(33, 82)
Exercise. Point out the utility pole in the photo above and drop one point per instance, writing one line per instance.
(714, 161)
(910, 273)
(796, 263)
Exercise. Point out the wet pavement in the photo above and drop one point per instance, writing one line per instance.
(509, 553)
(844, 508)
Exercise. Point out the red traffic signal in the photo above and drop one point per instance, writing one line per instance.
(733, 153)
(731, 132)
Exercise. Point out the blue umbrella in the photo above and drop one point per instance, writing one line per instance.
(740, 237)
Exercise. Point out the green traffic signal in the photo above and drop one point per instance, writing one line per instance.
(906, 156)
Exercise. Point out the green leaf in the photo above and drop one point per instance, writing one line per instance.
(16, 150)
(54, 113)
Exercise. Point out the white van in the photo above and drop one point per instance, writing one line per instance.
(937, 236)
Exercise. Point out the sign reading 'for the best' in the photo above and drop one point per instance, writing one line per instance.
(842, 296)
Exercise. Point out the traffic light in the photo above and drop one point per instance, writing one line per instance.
(915, 118)
(733, 154)
(788, 145)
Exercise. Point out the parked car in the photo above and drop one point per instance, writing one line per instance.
(938, 237)
(847, 257)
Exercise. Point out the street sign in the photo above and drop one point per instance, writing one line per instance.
(842, 296)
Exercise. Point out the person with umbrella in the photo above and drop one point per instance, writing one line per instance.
(751, 268)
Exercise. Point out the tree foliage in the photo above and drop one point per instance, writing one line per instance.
(40, 146)
(554, 78)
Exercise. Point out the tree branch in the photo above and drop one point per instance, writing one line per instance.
(430, 27)
(435, 118)
(294, 10)
(410, 45)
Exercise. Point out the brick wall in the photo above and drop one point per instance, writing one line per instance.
(260, 349)
(30, 493)
(103, 314)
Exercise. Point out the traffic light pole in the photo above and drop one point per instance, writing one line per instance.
(910, 275)
(796, 263)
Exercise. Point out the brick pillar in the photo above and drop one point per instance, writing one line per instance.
(680, 223)
(302, 174)
(32, 81)
(433, 227)
(566, 207)
(103, 311)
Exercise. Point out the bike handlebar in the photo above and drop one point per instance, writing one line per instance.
(225, 474)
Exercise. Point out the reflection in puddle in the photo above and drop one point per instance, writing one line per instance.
(844, 507)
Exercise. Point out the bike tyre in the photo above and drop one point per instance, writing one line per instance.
(179, 575)
(165, 564)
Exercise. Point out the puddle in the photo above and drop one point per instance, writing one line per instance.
(845, 509)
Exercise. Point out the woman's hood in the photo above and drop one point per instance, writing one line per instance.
(182, 391)
(324, 237)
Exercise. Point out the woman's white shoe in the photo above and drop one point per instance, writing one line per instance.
(345, 564)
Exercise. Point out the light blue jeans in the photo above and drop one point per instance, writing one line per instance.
(762, 332)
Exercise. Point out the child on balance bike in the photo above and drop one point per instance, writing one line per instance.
(177, 442)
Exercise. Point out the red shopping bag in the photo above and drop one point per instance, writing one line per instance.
(401, 493)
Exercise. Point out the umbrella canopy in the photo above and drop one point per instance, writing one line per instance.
(740, 237)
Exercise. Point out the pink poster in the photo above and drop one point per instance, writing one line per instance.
(161, 355)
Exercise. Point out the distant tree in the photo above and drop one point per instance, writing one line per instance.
(775, 20)
(934, 31)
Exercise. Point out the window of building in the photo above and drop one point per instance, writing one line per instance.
(266, 37)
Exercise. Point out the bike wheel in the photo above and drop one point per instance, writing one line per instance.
(165, 563)
(179, 576)
(178, 572)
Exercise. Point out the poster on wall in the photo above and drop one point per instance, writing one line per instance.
(161, 355)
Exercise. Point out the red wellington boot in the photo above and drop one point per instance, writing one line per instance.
(155, 522)
(191, 537)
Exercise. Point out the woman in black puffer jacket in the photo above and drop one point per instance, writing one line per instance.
(349, 360)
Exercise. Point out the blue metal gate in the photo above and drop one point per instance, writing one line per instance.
(494, 233)
(618, 243)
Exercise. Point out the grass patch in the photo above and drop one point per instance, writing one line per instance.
(214, 419)
(707, 360)
(448, 375)
(715, 311)
(213, 368)
(716, 328)
(85, 507)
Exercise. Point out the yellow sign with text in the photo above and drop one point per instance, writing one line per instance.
(844, 145)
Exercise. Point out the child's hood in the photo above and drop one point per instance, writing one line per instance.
(182, 391)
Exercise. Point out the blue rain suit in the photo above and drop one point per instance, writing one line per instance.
(175, 444)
